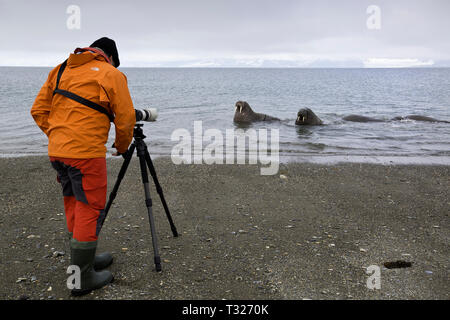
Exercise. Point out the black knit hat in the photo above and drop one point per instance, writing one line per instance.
(109, 47)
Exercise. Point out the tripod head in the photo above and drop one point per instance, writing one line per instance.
(139, 144)
(138, 133)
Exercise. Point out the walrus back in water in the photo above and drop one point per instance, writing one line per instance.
(307, 117)
(357, 118)
(245, 114)
(419, 118)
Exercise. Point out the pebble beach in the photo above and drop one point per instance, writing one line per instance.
(308, 232)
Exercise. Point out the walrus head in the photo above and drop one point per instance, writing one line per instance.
(243, 112)
(306, 116)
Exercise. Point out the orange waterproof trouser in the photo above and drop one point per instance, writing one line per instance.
(84, 184)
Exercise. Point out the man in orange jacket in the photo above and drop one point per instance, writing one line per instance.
(74, 109)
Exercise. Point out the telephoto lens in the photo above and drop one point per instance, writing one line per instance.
(149, 114)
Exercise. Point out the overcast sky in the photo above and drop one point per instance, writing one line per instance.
(313, 33)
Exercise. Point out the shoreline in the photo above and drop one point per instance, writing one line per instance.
(308, 232)
(314, 159)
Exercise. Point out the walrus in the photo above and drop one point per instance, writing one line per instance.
(245, 114)
(306, 116)
(419, 118)
(357, 118)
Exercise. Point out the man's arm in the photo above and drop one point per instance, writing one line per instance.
(122, 107)
(43, 102)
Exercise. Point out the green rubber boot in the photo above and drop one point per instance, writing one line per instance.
(83, 255)
(102, 260)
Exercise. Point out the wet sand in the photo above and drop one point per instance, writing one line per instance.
(309, 234)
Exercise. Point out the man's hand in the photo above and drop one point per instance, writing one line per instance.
(124, 155)
(117, 153)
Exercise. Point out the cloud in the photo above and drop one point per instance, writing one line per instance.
(207, 33)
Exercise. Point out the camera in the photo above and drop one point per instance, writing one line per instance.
(149, 114)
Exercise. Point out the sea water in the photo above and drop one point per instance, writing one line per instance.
(185, 95)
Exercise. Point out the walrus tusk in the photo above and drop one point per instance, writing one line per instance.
(240, 109)
(306, 116)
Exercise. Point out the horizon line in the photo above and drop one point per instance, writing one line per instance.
(241, 67)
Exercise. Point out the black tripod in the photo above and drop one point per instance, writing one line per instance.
(144, 161)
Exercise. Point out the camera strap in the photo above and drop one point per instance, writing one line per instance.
(77, 98)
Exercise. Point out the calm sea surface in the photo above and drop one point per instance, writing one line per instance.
(183, 96)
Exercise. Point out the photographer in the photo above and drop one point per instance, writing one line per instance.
(74, 109)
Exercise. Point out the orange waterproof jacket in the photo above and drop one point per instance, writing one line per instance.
(75, 130)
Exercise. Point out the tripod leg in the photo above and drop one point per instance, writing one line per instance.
(148, 203)
(122, 172)
(160, 192)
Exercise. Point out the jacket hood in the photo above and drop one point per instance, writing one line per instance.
(78, 59)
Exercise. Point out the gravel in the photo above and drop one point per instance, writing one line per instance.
(309, 232)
